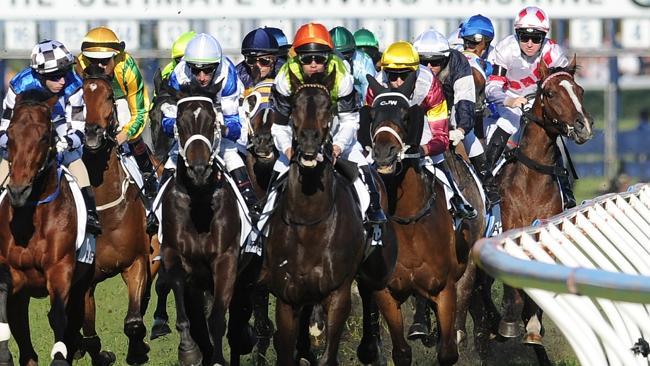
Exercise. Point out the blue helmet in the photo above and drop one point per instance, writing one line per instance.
(280, 37)
(259, 41)
(477, 24)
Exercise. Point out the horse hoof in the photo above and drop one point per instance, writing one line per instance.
(78, 355)
(508, 329)
(59, 363)
(417, 331)
(160, 330)
(304, 362)
(368, 351)
(135, 330)
(105, 358)
(192, 357)
(534, 339)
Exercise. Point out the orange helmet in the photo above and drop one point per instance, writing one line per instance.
(312, 37)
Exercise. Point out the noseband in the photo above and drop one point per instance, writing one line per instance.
(213, 145)
(403, 147)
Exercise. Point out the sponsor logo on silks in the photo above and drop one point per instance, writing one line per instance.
(388, 102)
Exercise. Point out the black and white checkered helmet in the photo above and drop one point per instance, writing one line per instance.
(51, 56)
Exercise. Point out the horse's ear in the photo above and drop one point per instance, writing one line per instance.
(329, 80)
(374, 85)
(293, 79)
(415, 125)
(543, 70)
(573, 66)
(365, 126)
(407, 87)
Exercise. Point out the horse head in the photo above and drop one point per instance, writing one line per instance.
(311, 116)
(101, 116)
(198, 133)
(31, 143)
(395, 125)
(561, 101)
(257, 110)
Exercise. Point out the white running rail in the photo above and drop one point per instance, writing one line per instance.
(589, 269)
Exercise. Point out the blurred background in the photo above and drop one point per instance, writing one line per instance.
(611, 39)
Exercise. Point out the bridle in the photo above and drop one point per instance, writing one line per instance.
(213, 145)
(566, 128)
(402, 155)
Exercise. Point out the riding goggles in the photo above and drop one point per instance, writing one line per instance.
(433, 61)
(207, 69)
(471, 42)
(393, 75)
(56, 76)
(261, 60)
(537, 38)
(308, 58)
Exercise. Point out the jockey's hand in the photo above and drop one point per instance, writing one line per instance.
(64, 144)
(122, 137)
(336, 151)
(515, 102)
(456, 136)
(288, 153)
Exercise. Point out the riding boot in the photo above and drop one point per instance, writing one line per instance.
(93, 225)
(149, 181)
(375, 213)
(460, 209)
(567, 191)
(421, 319)
(487, 179)
(495, 147)
(240, 175)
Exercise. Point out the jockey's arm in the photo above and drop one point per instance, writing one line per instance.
(7, 111)
(348, 114)
(435, 106)
(75, 113)
(230, 93)
(281, 129)
(464, 94)
(132, 84)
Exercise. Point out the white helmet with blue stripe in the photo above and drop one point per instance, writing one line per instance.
(203, 51)
(432, 43)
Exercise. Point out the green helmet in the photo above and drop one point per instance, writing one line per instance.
(365, 38)
(343, 39)
(178, 47)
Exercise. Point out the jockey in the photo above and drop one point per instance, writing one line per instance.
(360, 62)
(51, 70)
(259, 49)
(283, 43)
(515, 63)
(205, 65)
(101, 47)
(314, 54)
(398, 61)
(367, 42)
(178, 50)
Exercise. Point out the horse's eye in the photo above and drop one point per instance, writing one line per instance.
(45, 140)
(549, 94)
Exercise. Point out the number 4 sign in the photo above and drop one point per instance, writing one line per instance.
(635, 33)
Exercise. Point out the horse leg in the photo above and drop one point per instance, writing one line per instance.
(390, 309)
(160, 325)
(263, 325)
(241, 336)
(91, 342)
(532, 318)
(18, 312)
(75, 309)
(309, 315)
(369, 348)
(512, 307)
(477, 309)
(5, 332)
(445, 313)
(284, 340)
(136, 277)
(492, 317)
(198, 305)
(338, 306)
(465, 289)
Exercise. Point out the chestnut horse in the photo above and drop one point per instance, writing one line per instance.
(201, 240)
(430, 259)
(123, 248)
(528, 184)
(38, 228)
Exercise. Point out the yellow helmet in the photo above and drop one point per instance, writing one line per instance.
(101, 42)
(179, 45)
(400, 55)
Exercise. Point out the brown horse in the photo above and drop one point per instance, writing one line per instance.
(201, 234)
(430, 259)
(38, 227)
(123, 248)
(315, 243)
(528, 184)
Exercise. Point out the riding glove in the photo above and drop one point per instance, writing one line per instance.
(456, 136)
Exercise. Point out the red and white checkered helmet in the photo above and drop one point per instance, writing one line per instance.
(532, 18)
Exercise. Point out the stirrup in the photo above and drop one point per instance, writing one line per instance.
(152, 223)
(375, 216)
(93, 225)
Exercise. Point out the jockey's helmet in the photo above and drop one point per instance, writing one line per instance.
(312, 37)
(432, 44)
(51, 57)
(259, 42)
(100, 43)
(400, 56)
(343, 41)
(179, 45)
(203, 51)
(477, 25)
(531, 20)
(365, 38)
(280, 37)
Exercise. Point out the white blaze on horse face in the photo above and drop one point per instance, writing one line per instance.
(92, 87)
(196, 113)
(566, 84)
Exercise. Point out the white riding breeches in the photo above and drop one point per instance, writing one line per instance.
(473, 145)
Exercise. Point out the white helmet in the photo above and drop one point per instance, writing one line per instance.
(532, 19)
(431, 43)
(203, 50)
(50, 56)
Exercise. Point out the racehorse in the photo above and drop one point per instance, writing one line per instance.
(528, 183)
(38, 228)
(315, 243)
(430, 259)
(123, 248)
(201, 235)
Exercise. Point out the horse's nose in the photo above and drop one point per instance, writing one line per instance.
(199, 170)
(19, 194)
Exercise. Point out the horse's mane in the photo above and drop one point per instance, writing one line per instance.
(570, 70)
(35, 97)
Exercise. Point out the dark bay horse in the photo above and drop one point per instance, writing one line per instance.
(38, 228)
(123, 248)
(430, 259)
(315, 243)
(528, 184)
(201, 234)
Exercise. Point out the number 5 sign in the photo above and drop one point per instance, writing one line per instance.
(585, 33)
